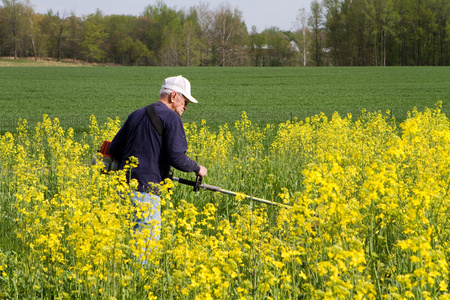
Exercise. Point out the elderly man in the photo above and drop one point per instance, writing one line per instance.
(156, 151)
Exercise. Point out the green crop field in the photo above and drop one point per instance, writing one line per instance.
(361, 206)
(268, 95)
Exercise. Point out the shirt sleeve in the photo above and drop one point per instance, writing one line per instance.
(176, 147)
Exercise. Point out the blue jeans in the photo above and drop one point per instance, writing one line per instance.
(147, 215)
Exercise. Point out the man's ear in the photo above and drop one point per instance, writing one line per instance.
(173, 96)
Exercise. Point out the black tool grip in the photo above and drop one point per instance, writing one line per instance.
(198, 183)
(186, 182)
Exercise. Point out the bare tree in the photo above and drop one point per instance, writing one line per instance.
(229, 35)
(192, 42)
(204, 16)
(205, 21)
(302, 37)
(34, 35)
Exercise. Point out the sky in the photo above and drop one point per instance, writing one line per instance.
(260, 13)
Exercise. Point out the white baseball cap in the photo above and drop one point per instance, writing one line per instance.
(180, 85)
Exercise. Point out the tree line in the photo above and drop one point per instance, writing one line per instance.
(333, 33)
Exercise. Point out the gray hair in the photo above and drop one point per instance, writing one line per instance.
(165, 92)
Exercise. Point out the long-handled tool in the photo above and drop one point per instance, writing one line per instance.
(197, 184)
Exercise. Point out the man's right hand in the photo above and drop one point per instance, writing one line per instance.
(202, 171)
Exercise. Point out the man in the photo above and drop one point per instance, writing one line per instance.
(156, 153)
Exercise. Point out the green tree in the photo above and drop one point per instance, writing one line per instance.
(119, 28)
(141, 32)
(336, 32)
(258, 48)
(54, 26)
(334, 29)
(316, 22)
(193, 41)
(47, 28)
(388, 18)
(442, 46)
(134, 51)
(164, 35)
(279, 46)
(94, 37)
(16, 17)
(352, 35)
(446, 44)
(73, 37)
(424, 27)
(61, 27)
(371, 31)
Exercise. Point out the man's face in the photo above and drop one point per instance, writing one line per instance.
(180, 104)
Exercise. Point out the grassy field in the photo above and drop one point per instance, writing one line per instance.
(268, 95)
(366, 216)
(367, 199)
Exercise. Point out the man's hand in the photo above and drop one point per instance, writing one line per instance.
(202, 171)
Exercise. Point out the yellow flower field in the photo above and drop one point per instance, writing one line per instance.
(366, 218)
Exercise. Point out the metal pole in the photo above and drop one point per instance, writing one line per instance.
(197, 185)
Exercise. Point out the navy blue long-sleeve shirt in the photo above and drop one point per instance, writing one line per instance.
(138, 137)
